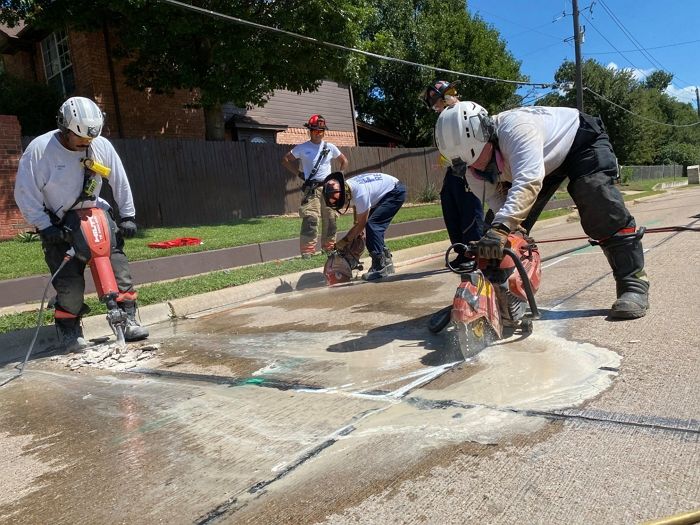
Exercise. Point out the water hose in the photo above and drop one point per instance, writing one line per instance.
(69, 255)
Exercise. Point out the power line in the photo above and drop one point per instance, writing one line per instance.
(255, 25)
(636, 42)
(638, 115)
(543, 85)
(647, 48)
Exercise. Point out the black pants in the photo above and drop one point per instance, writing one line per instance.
(591, 167)
(461, 209)
(70, 282)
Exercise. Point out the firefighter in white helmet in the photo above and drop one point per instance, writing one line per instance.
(51, 181)
(520, 157)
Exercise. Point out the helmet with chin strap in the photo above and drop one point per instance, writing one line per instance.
(329, 190)
(81, 116)
(438, 91)
(462, 131)
(316, 122)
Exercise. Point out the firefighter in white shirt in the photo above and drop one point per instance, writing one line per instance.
(377, 197)
(51, 181)
(517, 159)
(316, 156)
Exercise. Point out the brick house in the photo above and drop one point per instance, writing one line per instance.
(79, 63)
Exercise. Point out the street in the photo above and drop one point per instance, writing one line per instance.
(337, 405)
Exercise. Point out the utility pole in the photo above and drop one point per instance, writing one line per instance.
(697, 99)
(577, 47)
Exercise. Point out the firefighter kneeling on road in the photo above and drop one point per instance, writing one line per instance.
(517, 159)
(52, 180)
(377, 197)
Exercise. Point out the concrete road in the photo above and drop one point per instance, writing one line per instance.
(317, 405)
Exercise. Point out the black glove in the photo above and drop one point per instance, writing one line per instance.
(127, 227)
(491, 245)
(52, 235)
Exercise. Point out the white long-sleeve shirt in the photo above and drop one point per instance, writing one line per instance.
(533, 142)
(51, 176)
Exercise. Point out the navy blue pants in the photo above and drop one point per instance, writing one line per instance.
(461, 209)
(380, 217)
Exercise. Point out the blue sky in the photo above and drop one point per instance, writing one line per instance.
(535, 31)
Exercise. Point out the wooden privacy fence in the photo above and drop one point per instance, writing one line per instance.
(189, 182)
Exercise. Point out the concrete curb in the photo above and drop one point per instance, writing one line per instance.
(14, 345)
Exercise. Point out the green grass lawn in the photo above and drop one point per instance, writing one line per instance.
(25, 258)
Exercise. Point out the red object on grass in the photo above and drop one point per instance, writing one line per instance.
(182, 241)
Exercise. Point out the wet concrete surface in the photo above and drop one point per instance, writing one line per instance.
(339, 406)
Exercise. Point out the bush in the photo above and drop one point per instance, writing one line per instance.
(430, 193)
(34, 103)
(679, 153)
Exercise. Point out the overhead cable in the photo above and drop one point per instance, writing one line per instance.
(351, 49)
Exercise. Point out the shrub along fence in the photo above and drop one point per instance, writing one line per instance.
(188, 182)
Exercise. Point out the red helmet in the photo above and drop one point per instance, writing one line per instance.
(316, 122)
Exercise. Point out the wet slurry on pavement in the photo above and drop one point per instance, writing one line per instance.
(339, 405)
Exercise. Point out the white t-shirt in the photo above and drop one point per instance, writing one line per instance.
(308, 152)
(533, 141)
(368, 189)
(51, 176)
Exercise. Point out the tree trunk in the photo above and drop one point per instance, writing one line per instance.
(214, 122)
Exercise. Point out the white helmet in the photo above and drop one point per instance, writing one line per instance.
(82, 116)
(462, 131)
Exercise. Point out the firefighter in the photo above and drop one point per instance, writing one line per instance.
(461, 209)
(316, 156)
(377, 197)
(51, 181)
(520, 157)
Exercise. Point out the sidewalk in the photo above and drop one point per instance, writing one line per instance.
(22, 293)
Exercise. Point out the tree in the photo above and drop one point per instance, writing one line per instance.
(170, 48)
(631, 110)
(431, 32)
(34, 103)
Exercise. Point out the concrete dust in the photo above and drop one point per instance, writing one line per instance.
(109, 356)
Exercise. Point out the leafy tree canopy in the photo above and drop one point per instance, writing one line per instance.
(437, 33)
(172, 48)
(636, 138)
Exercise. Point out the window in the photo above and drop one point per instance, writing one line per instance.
(57, 63)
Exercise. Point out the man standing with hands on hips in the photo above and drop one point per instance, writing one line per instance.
(316, 156)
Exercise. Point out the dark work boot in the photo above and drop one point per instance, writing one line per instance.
(389, 262)
(626, 258)
(71, 334)
(133, 331)
(379, 268)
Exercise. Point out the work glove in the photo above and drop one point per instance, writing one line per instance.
(342, 244)
(491, 245)
(128, 227)
(52, 235)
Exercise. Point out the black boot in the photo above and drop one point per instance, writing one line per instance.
(379, 268)
(388, 262)
(133, 330)
(626, 258)
(71, 334)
